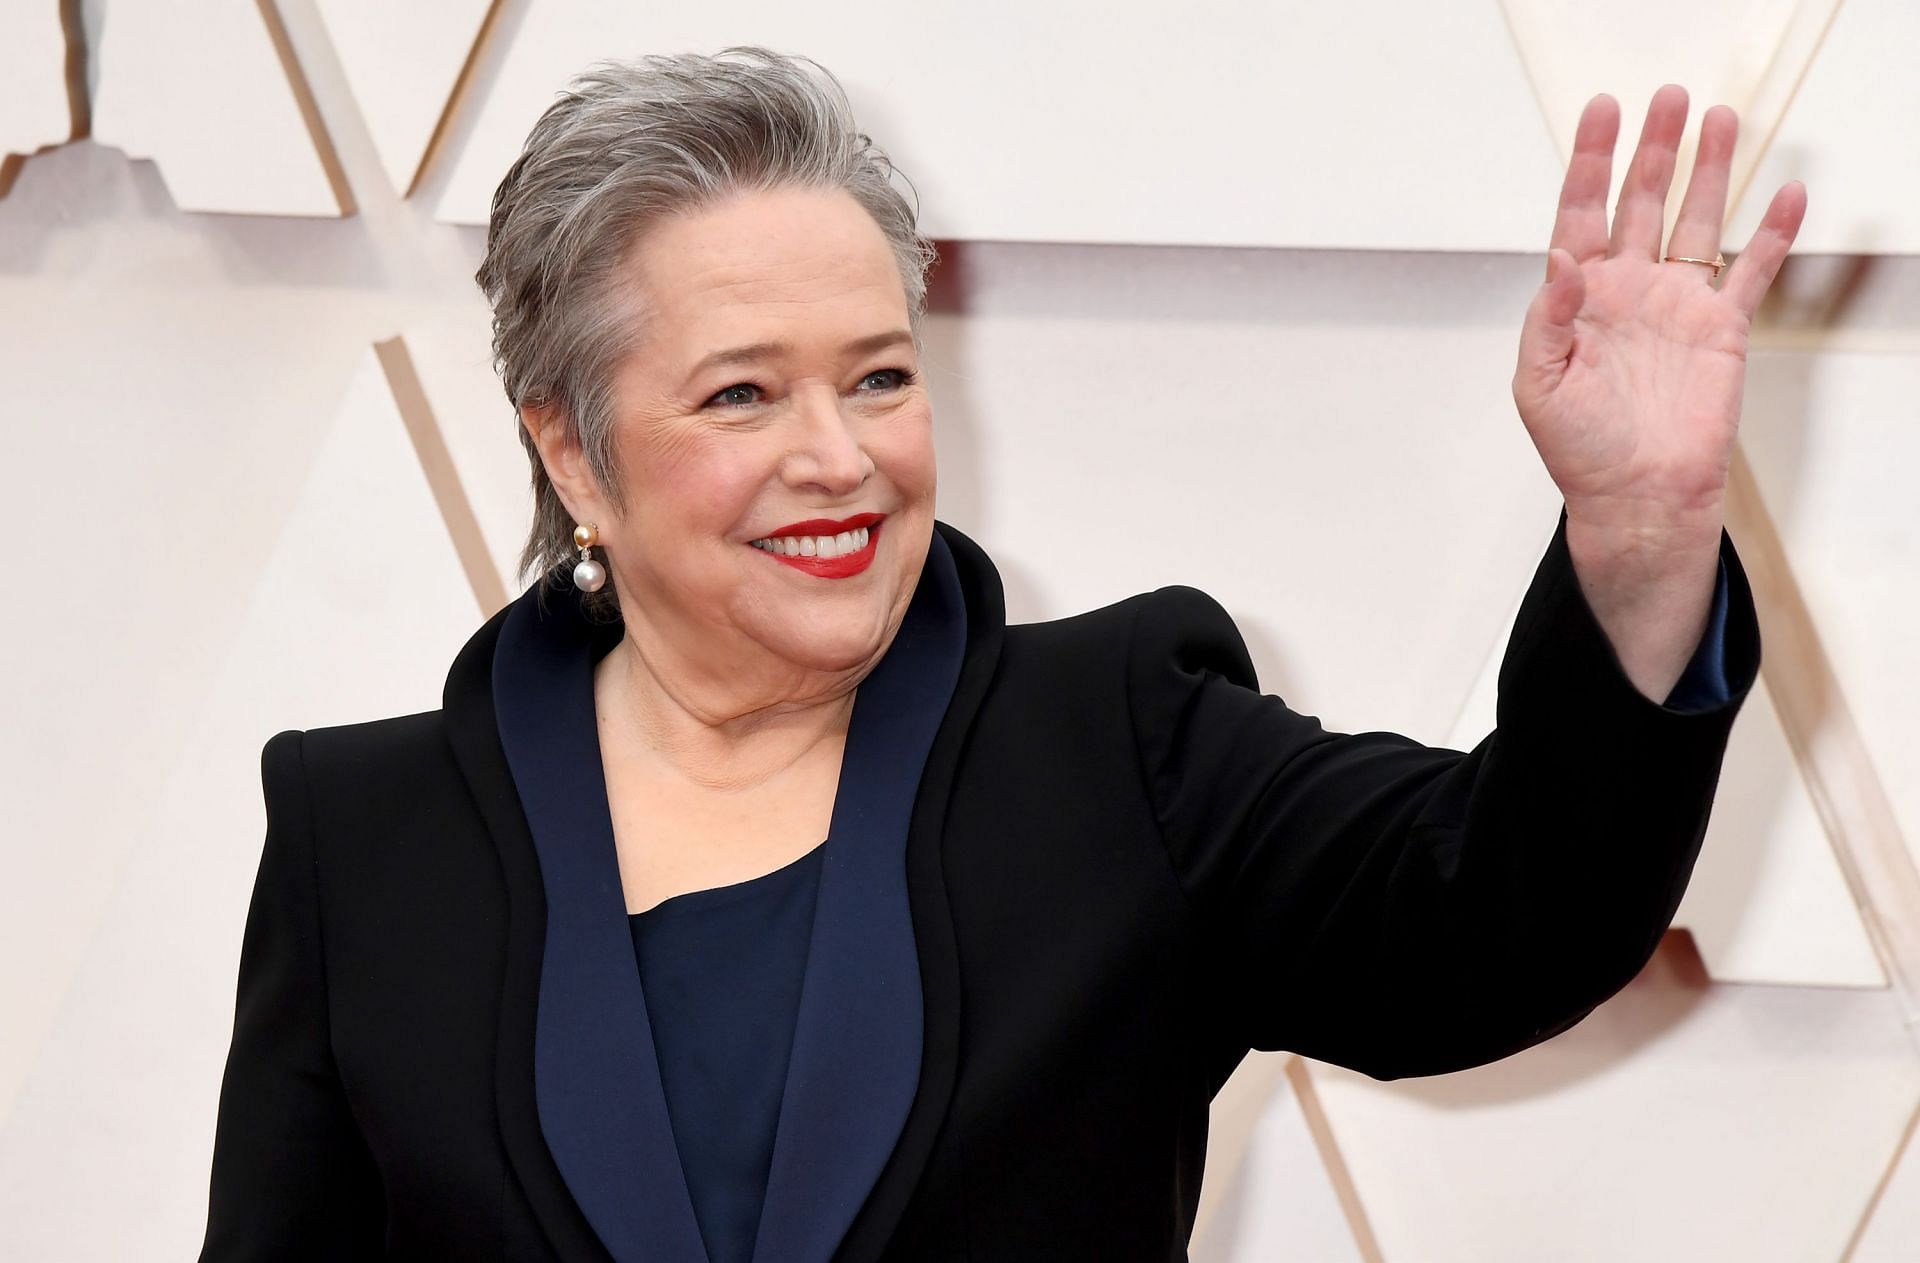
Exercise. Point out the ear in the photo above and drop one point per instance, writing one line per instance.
(560, 453)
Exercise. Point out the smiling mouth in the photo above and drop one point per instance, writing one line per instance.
(812, 549)
(823, 546)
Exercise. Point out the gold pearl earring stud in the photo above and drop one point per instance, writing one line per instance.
(588, 574)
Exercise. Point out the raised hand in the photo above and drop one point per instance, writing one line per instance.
(1631, 370)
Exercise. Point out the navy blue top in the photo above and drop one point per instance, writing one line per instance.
(721, 969)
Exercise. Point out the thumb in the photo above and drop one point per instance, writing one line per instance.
(1546, 337)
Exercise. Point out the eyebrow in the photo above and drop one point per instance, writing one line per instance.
(756, 351)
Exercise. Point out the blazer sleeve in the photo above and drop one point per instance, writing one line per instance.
(1402, 909)
(292, 1178)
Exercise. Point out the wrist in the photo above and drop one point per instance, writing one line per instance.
(1623, 547)
(1650, 590)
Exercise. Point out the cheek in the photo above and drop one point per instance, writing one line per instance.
(698, 484)
(904, 452)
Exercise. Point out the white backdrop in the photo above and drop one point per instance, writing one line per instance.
(1259, 266)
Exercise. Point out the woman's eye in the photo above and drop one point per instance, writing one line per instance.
(738, 395)
(885, 379)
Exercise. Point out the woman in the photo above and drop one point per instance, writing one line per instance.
(757, 892)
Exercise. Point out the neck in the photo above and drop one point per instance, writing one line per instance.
(705, 728)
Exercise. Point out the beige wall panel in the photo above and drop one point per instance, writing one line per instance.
(1748, 54)
(1833, 442)
(454, 359)
(1227, 122)
(1890, 1234)
(354, 615)
(1275, 1200)
(1768, 901)
(1112, 421)
(33, 83)
(1678, 1121)
(160, 424)
(1849, 135)
(212, 103)
(402, 61)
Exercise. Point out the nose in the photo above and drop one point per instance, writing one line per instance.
(826, 456)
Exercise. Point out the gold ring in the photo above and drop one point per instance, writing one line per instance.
(1717, 262)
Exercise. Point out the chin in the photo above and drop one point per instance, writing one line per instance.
(837, 644)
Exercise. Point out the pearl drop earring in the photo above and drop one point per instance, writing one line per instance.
(589, 575)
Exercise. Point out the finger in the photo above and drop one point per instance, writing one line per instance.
(1580, 226)
(1696, 233)
(1752, 273)
(1640, 219)
(1546, 336)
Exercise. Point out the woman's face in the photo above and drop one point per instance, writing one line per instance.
(775, 440)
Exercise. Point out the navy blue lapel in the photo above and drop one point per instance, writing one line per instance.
(857, 1040)
(596, 1075)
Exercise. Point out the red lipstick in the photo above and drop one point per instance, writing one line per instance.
(844, 566)
(826, 526)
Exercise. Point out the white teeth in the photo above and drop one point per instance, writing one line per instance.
(816, 545)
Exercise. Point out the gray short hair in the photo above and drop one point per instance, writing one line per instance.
(630, 143)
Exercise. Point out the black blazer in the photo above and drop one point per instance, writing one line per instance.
(1120, 867)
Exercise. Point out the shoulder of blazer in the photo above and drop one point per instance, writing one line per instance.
(1149, 640)
(372, 781)
(1188, 630)
(387, 748)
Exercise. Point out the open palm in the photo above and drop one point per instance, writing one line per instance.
(1631, 367)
